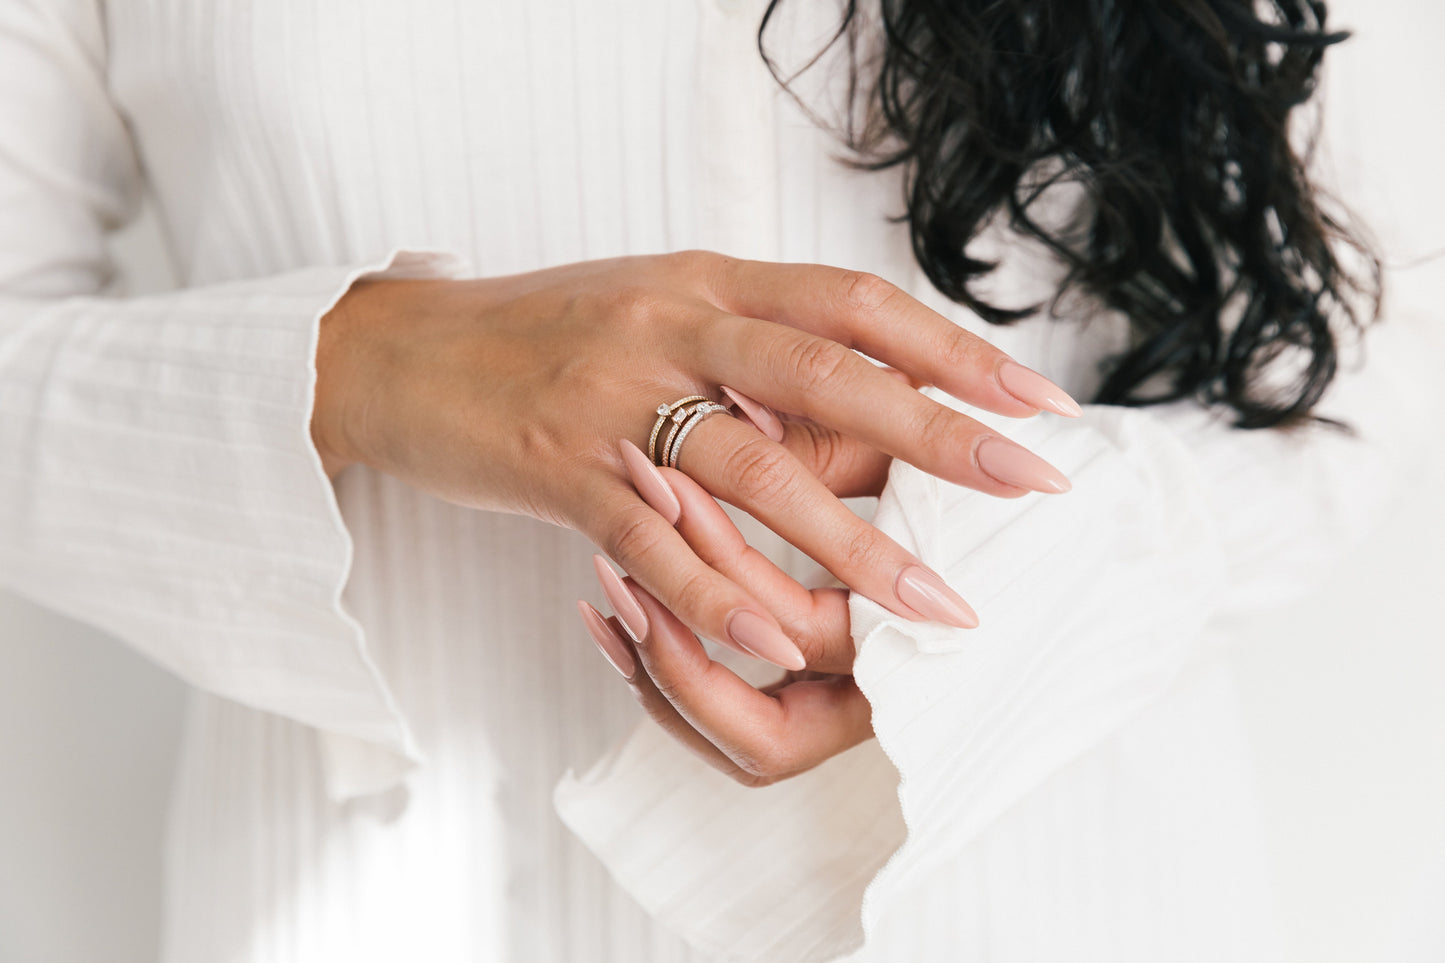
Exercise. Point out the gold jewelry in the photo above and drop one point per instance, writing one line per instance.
(675, 413)
(696, 415)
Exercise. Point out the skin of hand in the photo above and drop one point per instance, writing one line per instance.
(514, 394)
(755, 736)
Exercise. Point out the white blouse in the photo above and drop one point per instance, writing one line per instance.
(391, 690)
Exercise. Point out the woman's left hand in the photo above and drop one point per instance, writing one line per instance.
(756, 736)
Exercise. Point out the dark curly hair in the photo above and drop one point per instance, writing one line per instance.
(1201, 224)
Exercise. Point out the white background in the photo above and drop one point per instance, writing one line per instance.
(1346, 690)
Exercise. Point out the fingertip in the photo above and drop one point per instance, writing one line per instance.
(657, 613)
(648, 481)
(1035, 390)
(760, 637)
(622, 601)
(759, 415)
(682, 484)
(608, 640)
(670, 636)
(927, 594)
(705, 516)
(1012, 464)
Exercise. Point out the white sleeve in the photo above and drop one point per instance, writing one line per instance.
(157, 477)
(1091, 604)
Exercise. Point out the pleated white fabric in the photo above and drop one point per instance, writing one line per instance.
(1098, 605)
(389, 687)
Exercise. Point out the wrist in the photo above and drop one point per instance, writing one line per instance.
(330, 433)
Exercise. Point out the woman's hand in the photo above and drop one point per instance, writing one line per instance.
(513, 394)
(755, 736)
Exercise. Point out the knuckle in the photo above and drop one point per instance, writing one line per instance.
(813, 647)
(645, 700)
(812, 362)
(867, 291)
(760, 471)
(712, 332)
(821, 450)
(765, 763)
(629, 305)
(960, 350)
(694, 261)
(671, 690)
(862, 548)
(691, 597)
(633, 538)
(941, 426)
(699, 270)
(657, 701)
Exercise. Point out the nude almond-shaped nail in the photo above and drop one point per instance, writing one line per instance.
(1012, 464)
(624, 603)
(608, 642)
(928, 595)
(1032, 388)
(763, 418)
(756, 634)
(649, 482)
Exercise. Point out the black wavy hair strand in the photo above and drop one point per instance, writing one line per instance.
(1201, 224)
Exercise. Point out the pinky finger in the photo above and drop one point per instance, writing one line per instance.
(768, 737)
(615, 647)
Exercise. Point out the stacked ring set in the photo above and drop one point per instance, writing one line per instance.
(674, 423)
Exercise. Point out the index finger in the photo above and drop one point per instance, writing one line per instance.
(864, 312)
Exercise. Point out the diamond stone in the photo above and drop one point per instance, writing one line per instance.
(663, 410)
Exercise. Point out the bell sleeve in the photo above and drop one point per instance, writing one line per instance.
(1092, 603)
(157, 476)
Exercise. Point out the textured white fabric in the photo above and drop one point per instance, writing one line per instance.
(1068, 782)
(1095, 605)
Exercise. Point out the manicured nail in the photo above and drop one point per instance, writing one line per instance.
(608, 641)
(1032, 388)
(624, 603)
(1011, 464)
(755, 634)
(928, 595)
(764, 419)
(649, 482)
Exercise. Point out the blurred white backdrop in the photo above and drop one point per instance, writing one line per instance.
(1346, 690)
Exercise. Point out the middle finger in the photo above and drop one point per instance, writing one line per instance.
(824, 381)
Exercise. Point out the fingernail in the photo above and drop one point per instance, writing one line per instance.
(757, 635)
(1032, 388)
(608, 642)
(1011, 464)
(928, 595)
(624, 603)
(649, 482)
(764, 419)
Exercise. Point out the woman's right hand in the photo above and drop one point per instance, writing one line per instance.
(512, 394)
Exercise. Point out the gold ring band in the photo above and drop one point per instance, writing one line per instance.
(675, 412)
(695, 416)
